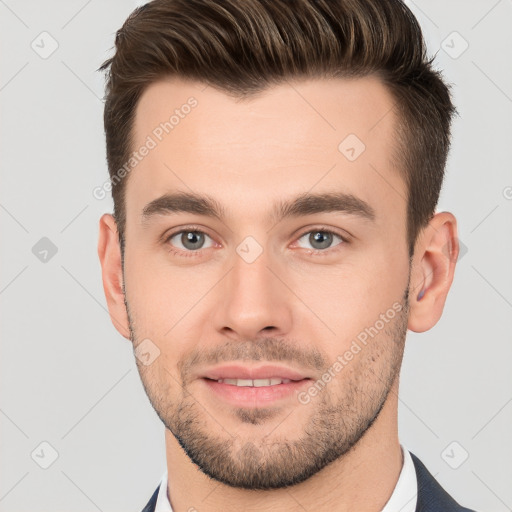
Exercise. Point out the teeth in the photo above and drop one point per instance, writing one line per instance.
(257, 383)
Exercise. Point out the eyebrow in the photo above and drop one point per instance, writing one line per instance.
(301, 205)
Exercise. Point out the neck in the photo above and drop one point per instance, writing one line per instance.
(363, 479)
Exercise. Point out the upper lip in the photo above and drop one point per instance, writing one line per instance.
(268, 371)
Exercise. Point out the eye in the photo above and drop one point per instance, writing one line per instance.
(190, 240)
(320, 239)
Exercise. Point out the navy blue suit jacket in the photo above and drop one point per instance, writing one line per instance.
(431, 496)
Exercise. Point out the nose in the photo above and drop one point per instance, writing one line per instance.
(253, 300)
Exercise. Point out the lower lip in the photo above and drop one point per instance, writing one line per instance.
(247, 396)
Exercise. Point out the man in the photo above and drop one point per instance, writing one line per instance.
(275, 169)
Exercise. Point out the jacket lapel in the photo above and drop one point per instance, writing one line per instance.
(431, 496)
(151, 505)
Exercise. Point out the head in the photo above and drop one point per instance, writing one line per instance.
(279, 223)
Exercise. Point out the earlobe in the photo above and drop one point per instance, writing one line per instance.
(109, 253)
(432, 272)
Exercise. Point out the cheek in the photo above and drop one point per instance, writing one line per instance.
(353, 297)
(149, 294)
(166, 303)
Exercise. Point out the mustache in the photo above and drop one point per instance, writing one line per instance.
(261, 349)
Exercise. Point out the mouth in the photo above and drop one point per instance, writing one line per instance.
(254, 383)
(246, 374)
(252, 387)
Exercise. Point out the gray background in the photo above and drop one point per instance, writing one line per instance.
(69, 379)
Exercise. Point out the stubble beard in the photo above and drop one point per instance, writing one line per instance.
(334, 426)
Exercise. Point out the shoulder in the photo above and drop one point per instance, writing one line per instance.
(431, 496)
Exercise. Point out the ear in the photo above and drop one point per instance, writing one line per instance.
(433, 267)
(109, 253)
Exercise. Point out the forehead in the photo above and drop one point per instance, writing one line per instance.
(322, 134)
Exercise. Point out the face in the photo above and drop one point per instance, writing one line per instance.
(266, 265)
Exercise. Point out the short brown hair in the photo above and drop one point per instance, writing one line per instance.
(242, 47)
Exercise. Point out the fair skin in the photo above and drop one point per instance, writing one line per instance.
(205, 308)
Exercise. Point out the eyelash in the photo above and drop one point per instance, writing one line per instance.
(188, 254)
